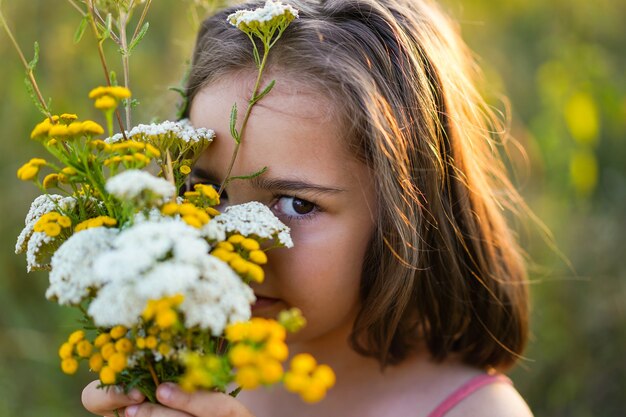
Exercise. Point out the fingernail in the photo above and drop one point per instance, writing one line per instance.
(165, 392)
(132, 410)
(135, 395)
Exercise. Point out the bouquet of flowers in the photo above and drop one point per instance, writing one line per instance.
(161, 276)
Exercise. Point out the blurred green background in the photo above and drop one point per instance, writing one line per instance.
(561, 64)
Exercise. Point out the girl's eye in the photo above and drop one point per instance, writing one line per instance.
(293, 207)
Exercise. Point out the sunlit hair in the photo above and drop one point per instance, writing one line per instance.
(443, 267)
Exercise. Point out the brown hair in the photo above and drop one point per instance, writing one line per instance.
(443, 266)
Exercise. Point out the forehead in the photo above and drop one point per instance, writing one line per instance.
(294, 127)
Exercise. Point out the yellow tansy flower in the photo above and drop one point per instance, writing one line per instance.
(124, 345)
(84, 348)
(66, 350)
(248, 377)
(102, 339)
(117, 362)
(50, 181)
(118, 332)
(107, 375)
(95, 362)
(27, 172)
(69, 366)
(52, 229)
(76, 337)
(105, 103)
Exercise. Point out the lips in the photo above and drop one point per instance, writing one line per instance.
(263, 302)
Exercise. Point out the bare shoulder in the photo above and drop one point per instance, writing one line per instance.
(494, 400)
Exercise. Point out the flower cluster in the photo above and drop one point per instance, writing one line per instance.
(162, 279)
(307, 378)
(257, 352)
(264, 21)
(107, 98)
(244, 255)
(29, 170)
(52, 224)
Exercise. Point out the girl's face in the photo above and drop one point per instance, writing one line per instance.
(313, 184)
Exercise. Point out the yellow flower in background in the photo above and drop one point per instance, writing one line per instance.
(107, 98)
(582, 119)
(583, 171)
(105, 103)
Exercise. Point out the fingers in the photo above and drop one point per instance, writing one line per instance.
(154, 410)
(103, 402)
(200, 403)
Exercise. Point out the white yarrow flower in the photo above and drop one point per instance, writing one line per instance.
(270, 12)
(140, 187)
(72, 277)
(182, 129)
(37, 245)
(152, 260)
(43, 204)
(254, 218)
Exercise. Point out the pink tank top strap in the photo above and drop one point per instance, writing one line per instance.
(467, 389)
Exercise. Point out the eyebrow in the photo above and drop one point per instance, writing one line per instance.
(264, 182)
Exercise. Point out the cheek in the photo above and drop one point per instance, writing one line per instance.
(322, 273)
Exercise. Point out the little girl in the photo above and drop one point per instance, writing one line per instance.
(380, 157)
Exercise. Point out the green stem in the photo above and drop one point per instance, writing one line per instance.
(103, 61)
(123, 21)
(251, 104)
(144, 12)
(77, 7)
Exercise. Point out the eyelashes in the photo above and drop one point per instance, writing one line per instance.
(288, 208)
(294, 208)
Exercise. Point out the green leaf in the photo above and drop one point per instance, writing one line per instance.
(179, 90)
(263, 93)
(33, 63)
(33, 96)
(80, 30)
(233, 122)
(108, 27)
(247, 177)
(139, 37)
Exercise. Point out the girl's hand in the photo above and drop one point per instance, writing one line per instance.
(177, 403)
(104, 402)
